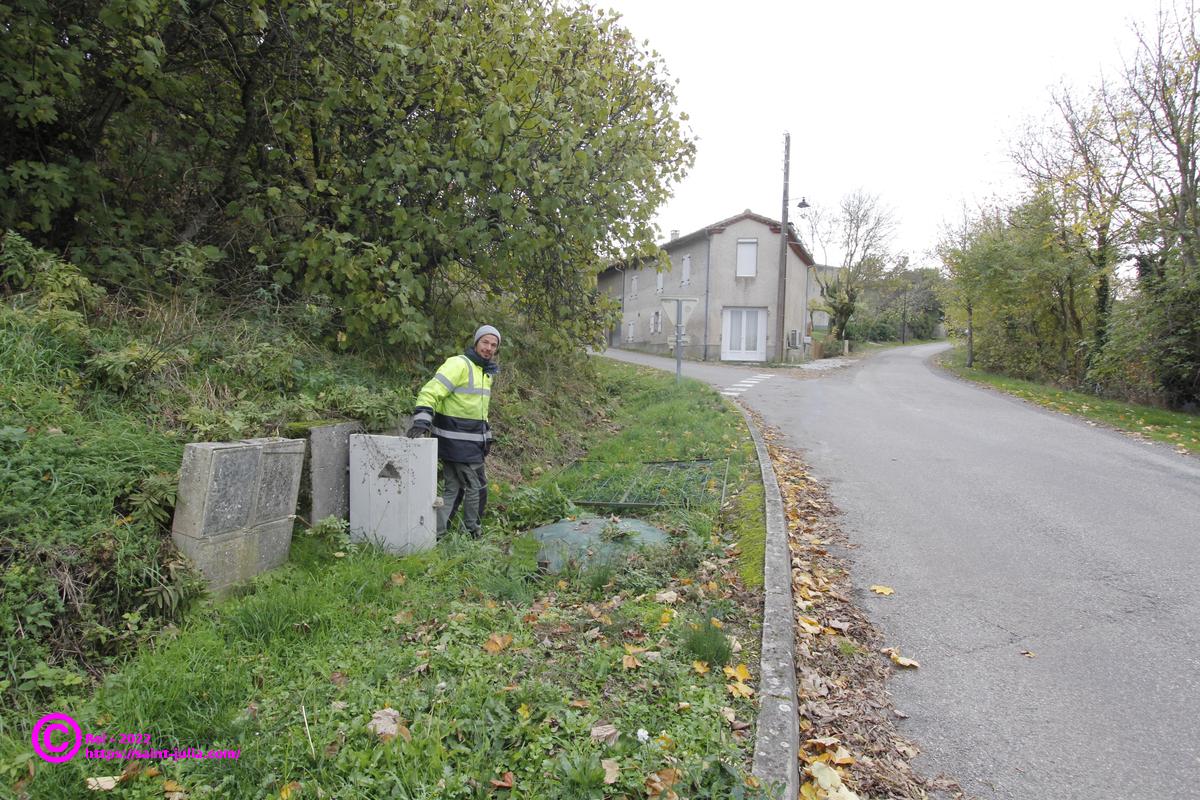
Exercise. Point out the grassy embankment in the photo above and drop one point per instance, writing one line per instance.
(490, 667)
(1142, 422)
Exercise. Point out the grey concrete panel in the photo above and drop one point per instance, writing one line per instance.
(272, 542)
(279, 479)
(218, 484)
(235, 507)
(233, 559)
(225, 561)
(329, 470)
(393, 487)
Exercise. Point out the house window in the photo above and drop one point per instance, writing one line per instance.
(656, 322)
(633, 285)
(687, 271)
(747, 258)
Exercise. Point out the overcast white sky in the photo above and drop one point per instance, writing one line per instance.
(916, 101)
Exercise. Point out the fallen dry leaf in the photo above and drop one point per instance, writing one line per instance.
(612, 770)
(288, 790)
(658, 784)
(399, 579)
(104, 784)
(739, 689)
(385, 723)
(1029, 654)
(738, 673)
(630, 661)
(898, 659)
(883, 590)
(669, 596)
(606, 733)
(505, 781)
(830, 782)
(701, 667)
(823, 743)
(497, 642)
(842, 757)
(580, 704)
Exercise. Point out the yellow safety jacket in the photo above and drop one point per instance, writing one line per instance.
(455, 402)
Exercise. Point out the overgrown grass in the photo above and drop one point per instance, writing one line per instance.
(100, 395)
(749, 527)
(492, 667)
(1143, 422)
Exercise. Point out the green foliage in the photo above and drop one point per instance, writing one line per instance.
(525, 507)
(582, 776)
(346, 636)
(708, 643)
(1178, 429)
(63, 294)
(899, 299)
(394, 159)
(1044, 289)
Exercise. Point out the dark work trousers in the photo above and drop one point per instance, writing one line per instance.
(463, 485)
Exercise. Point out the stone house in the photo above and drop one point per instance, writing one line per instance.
(730, 272)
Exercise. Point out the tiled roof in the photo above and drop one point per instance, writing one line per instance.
(717, 227)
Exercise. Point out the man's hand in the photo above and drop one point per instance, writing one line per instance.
(418, 432)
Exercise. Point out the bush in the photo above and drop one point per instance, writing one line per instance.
(707, 643)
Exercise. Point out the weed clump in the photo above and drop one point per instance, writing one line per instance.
(706, 642)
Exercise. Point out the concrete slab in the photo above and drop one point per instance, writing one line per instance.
(393, 488)
(329, 470)
(218, 488)
(235, 507)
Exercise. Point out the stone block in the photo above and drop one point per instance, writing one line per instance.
(393, 486)
(329, 470)
(233, 559)
(272, 542)
(280, 467)
(218, 488)
(234, 509)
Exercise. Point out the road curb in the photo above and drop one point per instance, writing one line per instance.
(777, 737)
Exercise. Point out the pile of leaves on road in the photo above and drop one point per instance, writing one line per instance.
(849, 744)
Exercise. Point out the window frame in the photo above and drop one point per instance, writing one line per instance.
(738, 271)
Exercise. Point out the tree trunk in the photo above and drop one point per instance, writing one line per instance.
(970, 336)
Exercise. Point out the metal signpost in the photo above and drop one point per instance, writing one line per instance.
(678, 309)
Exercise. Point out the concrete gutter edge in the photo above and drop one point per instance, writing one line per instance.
(777, 736)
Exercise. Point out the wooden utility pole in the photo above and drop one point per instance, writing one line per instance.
(780, 332)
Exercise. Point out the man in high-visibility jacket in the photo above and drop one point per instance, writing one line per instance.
(453, 406)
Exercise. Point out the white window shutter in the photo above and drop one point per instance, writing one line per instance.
(747, 258)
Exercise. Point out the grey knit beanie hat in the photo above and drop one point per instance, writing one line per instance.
(484, 330)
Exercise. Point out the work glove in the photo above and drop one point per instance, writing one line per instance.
(418, 432)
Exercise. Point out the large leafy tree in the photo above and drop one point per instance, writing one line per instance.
(863, 228)
(402, 159)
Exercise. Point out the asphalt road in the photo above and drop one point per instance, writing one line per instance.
(1004, 528)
